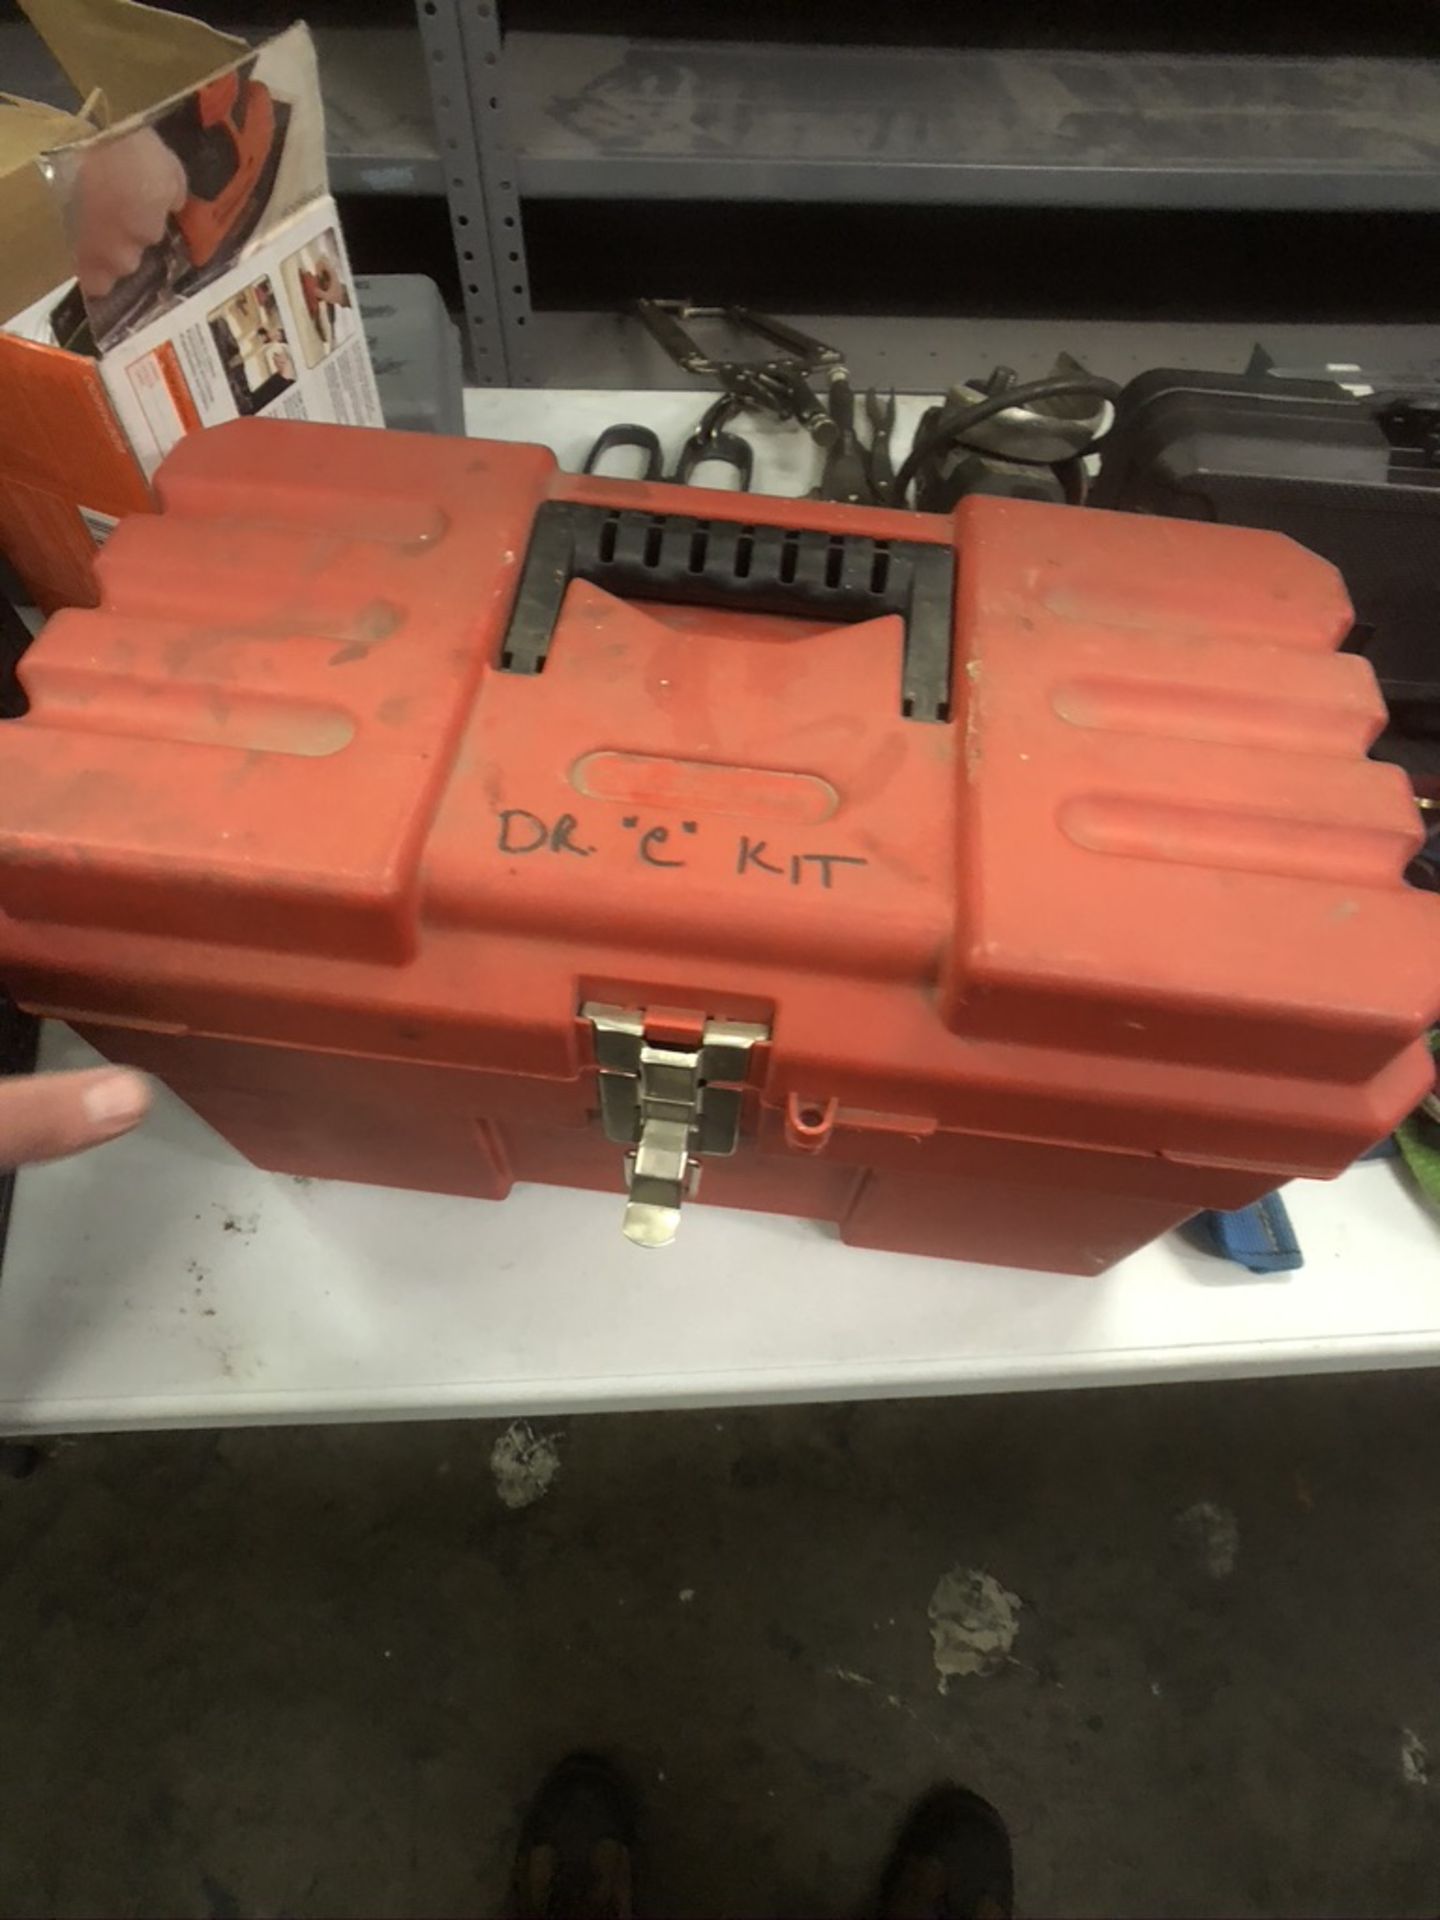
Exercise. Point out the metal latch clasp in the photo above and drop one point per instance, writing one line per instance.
(667, 1105)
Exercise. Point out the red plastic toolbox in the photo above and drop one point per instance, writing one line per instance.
(426, 815)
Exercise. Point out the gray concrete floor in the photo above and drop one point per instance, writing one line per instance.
(317, 1671)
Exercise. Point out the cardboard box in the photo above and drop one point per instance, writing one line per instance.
(170, 258)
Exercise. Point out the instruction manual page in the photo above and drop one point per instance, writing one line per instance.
(209, 258)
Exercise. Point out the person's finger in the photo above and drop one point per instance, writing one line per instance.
(47, 1115)
(98, 272)
(179, 184)
(148, 222)
(96, 278)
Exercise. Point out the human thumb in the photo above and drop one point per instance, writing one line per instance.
(45, 1116)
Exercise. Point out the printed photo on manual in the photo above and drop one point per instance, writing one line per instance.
(278, 334)
(254, 348)
(170, 201)
(321, 297)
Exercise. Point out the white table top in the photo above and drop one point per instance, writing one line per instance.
(163, 1281)
(786, 460)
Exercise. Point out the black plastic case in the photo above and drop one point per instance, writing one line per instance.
(1354, 479)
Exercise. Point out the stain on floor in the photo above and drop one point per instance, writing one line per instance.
(318, 1670)
(973, 1624)
(1211, 1536)
(524, 1464)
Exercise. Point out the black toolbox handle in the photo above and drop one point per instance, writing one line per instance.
(842, 577)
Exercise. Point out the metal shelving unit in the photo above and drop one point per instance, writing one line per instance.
(462, 47)
(597, 117)
(583, 117)
(379, 127)
(591, 350)
(503, 122)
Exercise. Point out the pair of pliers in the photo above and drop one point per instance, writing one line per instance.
(844, 475)
(708, 442)
(882, 467)
(853, 473)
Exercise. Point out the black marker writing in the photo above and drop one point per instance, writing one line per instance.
(750, 858)
(561, 842)
(524, 832)
(515, 821)
(654, 838)
(824, 861)
(752, 854)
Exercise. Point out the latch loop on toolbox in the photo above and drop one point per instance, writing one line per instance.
(809, 1123)
(667, 1104)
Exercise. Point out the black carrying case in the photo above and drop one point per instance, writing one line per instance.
(1354, 478)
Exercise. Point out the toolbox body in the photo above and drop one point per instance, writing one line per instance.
(427, 816)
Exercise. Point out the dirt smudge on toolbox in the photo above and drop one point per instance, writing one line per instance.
(375, 621)
(973, 749)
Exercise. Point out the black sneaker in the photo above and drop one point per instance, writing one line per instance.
(577, 1846)
(951, 1862)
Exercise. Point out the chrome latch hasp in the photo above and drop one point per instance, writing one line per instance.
(667, 1105)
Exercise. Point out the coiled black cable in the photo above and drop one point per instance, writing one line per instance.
(951, 427)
